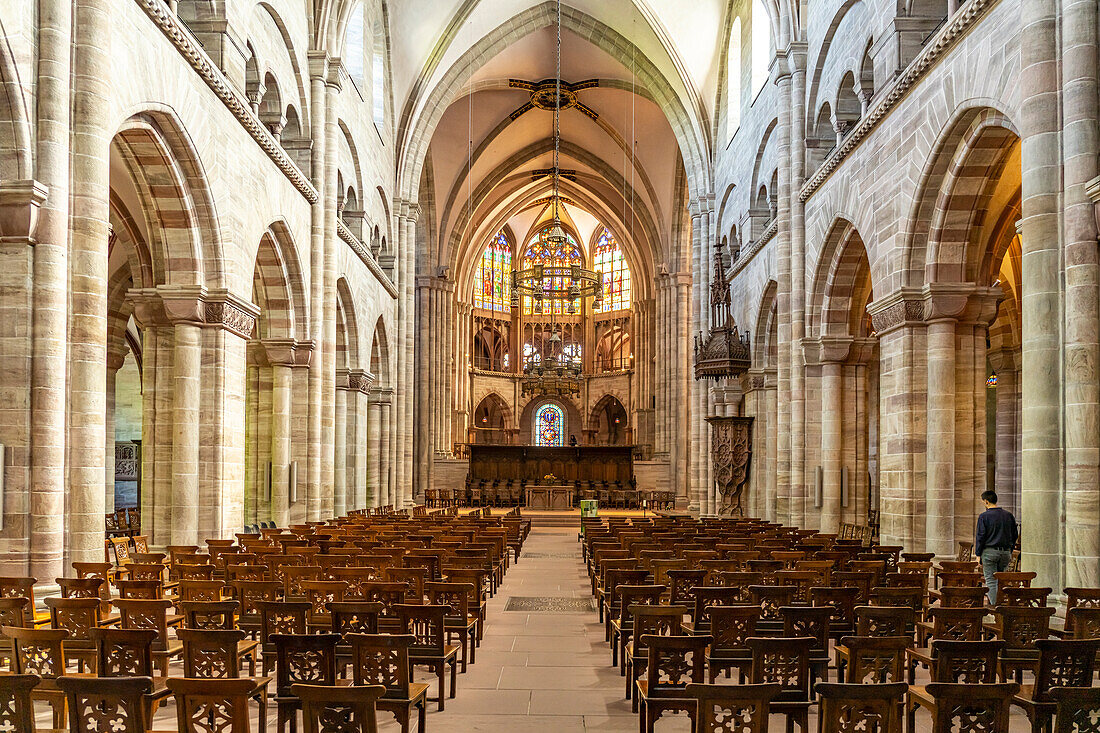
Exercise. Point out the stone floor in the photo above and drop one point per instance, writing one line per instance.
(541, 670)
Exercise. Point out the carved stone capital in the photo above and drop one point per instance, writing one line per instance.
(288, 352)
(901, 307)
(165, 306)
(360, 381)
(946, 300)
(20, 202)
(224, 310)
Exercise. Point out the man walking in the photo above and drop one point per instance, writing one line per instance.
(994, 541)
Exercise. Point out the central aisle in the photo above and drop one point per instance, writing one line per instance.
(542, 670)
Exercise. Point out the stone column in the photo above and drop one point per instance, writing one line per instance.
(406, 491)
(832, 436)
(116, 357)
(284, 355)
(939, 518)
(681, 391)
(374, 459)
(91, 136)
(1005, 365)
(387, 453)
(340, 471)
(1081, 143)
(187, 395)
(47, 305)
(312, 475)
(898, 321)
(426, 338)
(781, 76)
(1041, 175)
(229, 324)
(796, 62)
(328, 340)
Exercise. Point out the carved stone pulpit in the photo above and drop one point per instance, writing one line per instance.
(731, 451)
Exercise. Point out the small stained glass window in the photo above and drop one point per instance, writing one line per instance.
(493, 283)
(550, 425)
(615, 271)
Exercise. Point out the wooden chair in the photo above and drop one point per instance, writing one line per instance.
(115, 704)
(1076, 709)
(320, 593)
(301, 658)
(814, 622)
(1029, 597)
(785, 661)
(1020, 628)
(80, 587)
(958, 596)
(460, 621)
(124, 652)
(622, 624)
(383, 659)
(1079, 598)
(16, 707)
(730, 626)
(976, 708)
(1085, 622)
(201, 590)
(77, 616)
(216, 653)
(208, 614)
(885, 621)
(279, 617)
(719, 706)
(149, 590)
(248, 594)
(152, 615)
(41, 652)
(873, 659)
(653, 621)
(672, 664)
(860, 707)
(23, 587)
(428, 625)
(948, 624)
(204, 705)
(1062, 663)
(344, 709)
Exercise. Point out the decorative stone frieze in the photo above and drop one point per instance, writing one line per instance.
(899, 308)
(212, 308)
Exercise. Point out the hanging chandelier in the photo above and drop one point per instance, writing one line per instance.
(547, 282)
(555, 373)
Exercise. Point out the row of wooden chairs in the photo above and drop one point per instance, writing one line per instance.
(738, 623)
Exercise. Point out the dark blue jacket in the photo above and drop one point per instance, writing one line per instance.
(996, 529)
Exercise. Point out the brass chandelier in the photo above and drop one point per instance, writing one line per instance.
(557, 373)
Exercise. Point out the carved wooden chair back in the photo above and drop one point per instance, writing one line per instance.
(785, 661)
(1021, 627)
(1080, 598)
(722, 708)
(140, 589)
(808, 621)
(382, 659)
(339, 709)
(876, 659)
(210, 615)
(1078, 709)
(115, 704)
(771, 598)
(206, 705)
(957, 596)
(201, 590)
(1030, 597)
(427, 625)
(281, 617)
(308, 658)
(124, 652)
(965, 662)
(958, 624)
(146, 614)
(884, 621)
(1064, 663)
(354, 617)
(972, 708)
(674, 662)
(38, 651)
(16, 706)
(81, 587)
(654, 620)
(855, 708)
(211, 653)
(1085, 622)
(730, 626)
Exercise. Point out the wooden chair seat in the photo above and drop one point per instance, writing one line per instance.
(400, 707)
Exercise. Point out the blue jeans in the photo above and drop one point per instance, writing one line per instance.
(994, 561)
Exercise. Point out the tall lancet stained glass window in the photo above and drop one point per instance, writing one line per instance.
(493, 283)
(550, 425)
(608, 259)
(542, 252)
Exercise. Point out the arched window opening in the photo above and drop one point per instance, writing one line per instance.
(761, 45)
(542, 252)
(612, 265)
(355, 47)
(493, 282)
(733, 80)
(549, 425)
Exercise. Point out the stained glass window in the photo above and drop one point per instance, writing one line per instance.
(612, 265)
(541, 252)
(493, 283)
(550, 425)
